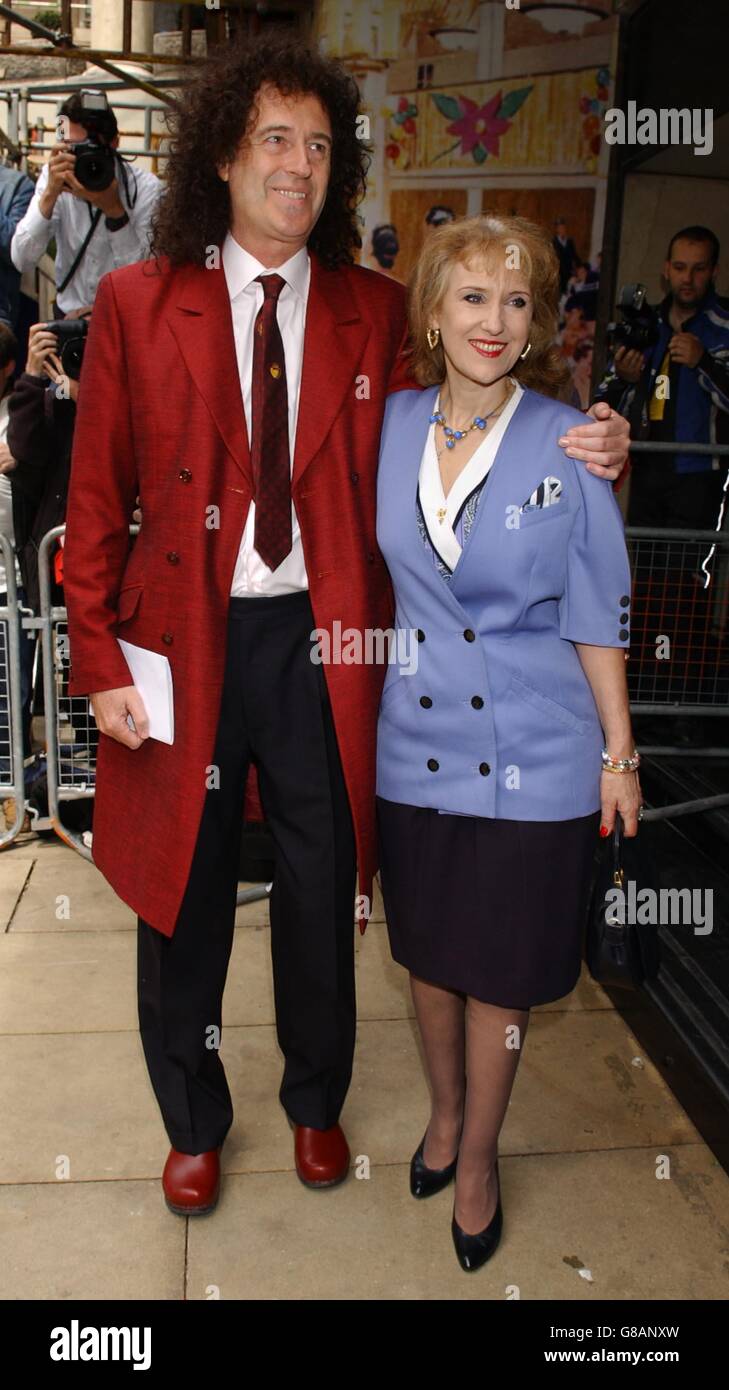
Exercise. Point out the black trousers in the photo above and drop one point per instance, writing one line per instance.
(274, 711)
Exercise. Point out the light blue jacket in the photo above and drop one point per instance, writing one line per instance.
(527, 586)
(16, 192)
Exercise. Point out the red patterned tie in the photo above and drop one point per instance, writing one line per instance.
(270, 431)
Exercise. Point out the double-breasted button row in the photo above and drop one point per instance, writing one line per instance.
(173, 557)
(476, 701)
(434, 765)
(469, 635)
(185, 475)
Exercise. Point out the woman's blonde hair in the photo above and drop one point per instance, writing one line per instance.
(521, 245)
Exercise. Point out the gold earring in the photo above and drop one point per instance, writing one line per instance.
(433, 336)
(525, 353)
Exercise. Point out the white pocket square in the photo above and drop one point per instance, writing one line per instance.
(548, 492)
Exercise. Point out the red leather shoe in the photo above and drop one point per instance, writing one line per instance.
(191, 1182)
(321, 1155)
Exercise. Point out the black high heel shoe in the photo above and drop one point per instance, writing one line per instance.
(474, 1250)
(424, 1181)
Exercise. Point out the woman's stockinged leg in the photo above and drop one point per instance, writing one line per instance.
(440, 1015)
(494, 1042)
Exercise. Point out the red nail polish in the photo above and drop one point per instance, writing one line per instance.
(604, 831)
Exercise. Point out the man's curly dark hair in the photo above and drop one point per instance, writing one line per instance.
(214, 113)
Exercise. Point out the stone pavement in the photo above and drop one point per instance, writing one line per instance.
(81, 1207)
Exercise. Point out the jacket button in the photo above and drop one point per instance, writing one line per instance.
(469, 635)
(173, 557)
(185, 475)
(167, 638)
(484, 769)
(426, 701)
(477, 702)
(624, 601)
(624, 618)
(420, 635)
(354, 477)
(433, 764)
(623, 635)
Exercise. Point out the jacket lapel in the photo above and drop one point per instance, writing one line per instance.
(334, 341)
(202, 324)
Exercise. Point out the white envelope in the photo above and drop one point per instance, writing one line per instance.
(152, 676)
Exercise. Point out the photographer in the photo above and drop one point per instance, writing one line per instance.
(675, 386)
(95, 204)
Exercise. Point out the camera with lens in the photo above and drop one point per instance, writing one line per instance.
(639, 325)
(95, 159)
(71, 337)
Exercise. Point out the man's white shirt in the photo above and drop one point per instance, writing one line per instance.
(69, 224)
(251, 575)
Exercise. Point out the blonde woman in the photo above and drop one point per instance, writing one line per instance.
(507, 749)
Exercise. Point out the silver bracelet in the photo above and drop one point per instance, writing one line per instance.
(620, 764)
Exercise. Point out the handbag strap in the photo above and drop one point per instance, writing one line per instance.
(617, 851)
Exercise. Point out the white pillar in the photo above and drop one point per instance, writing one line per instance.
(107, 25)
(489, 62)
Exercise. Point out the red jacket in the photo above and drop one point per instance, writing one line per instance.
(160, 414)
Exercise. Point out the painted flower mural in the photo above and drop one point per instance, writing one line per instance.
(399, 149)
(479, 128)
(592, 109)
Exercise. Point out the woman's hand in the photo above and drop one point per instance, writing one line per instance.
(620, 791)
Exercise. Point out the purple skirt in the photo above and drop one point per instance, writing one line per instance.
(491, 908)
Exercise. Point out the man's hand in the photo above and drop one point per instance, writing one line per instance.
(602, 446)
(686, 349)
(53, 367)
(628, 363)
(60, 164)
(137, 515)
(111, 708)
(61, 179)
(7, 462)
(41, 343)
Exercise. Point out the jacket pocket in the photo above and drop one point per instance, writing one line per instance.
(128, 602)
(539, 516)
(550, 707)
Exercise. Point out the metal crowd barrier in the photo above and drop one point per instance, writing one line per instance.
(678, 660)
(11, 731)
(71, 734)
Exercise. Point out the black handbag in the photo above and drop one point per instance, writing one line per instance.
(619, 949)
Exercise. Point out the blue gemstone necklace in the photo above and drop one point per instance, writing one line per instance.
(479, 422)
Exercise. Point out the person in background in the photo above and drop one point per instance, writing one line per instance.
(437, 215)
(582, 291)
(566, 253)
(678, 390)
(16, 192)
(94, 231)
(582, 372)
(8, 463)
(385, 248)
(42, 413)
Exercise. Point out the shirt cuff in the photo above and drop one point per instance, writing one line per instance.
(35, 222)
